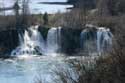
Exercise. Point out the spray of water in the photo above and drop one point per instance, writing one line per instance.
(30, 43)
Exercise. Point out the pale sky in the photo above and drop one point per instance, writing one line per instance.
(40, 8)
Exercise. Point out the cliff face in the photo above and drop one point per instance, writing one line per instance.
(8, 41)
(70, 40)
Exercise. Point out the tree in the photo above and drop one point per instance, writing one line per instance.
(16, 10)
(45, 18)
(111, 7)
(25, 12)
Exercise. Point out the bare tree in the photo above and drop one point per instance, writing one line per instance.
(25, 12)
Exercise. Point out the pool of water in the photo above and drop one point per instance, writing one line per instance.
(30, 69)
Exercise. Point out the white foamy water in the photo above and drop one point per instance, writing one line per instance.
(32, 42)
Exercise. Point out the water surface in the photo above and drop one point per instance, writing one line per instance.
(28, 69)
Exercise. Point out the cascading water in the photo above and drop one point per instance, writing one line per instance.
(53, 40)
(99, 40)
(96, 40)
(104, 39)
(31, 43)
(88, 41)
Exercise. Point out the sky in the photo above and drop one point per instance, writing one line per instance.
(40, 8)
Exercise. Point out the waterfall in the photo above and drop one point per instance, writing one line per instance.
(104, 39)
(30, 43)
(88, 41)
(53, 40)
(92, 40)
(96, 41)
